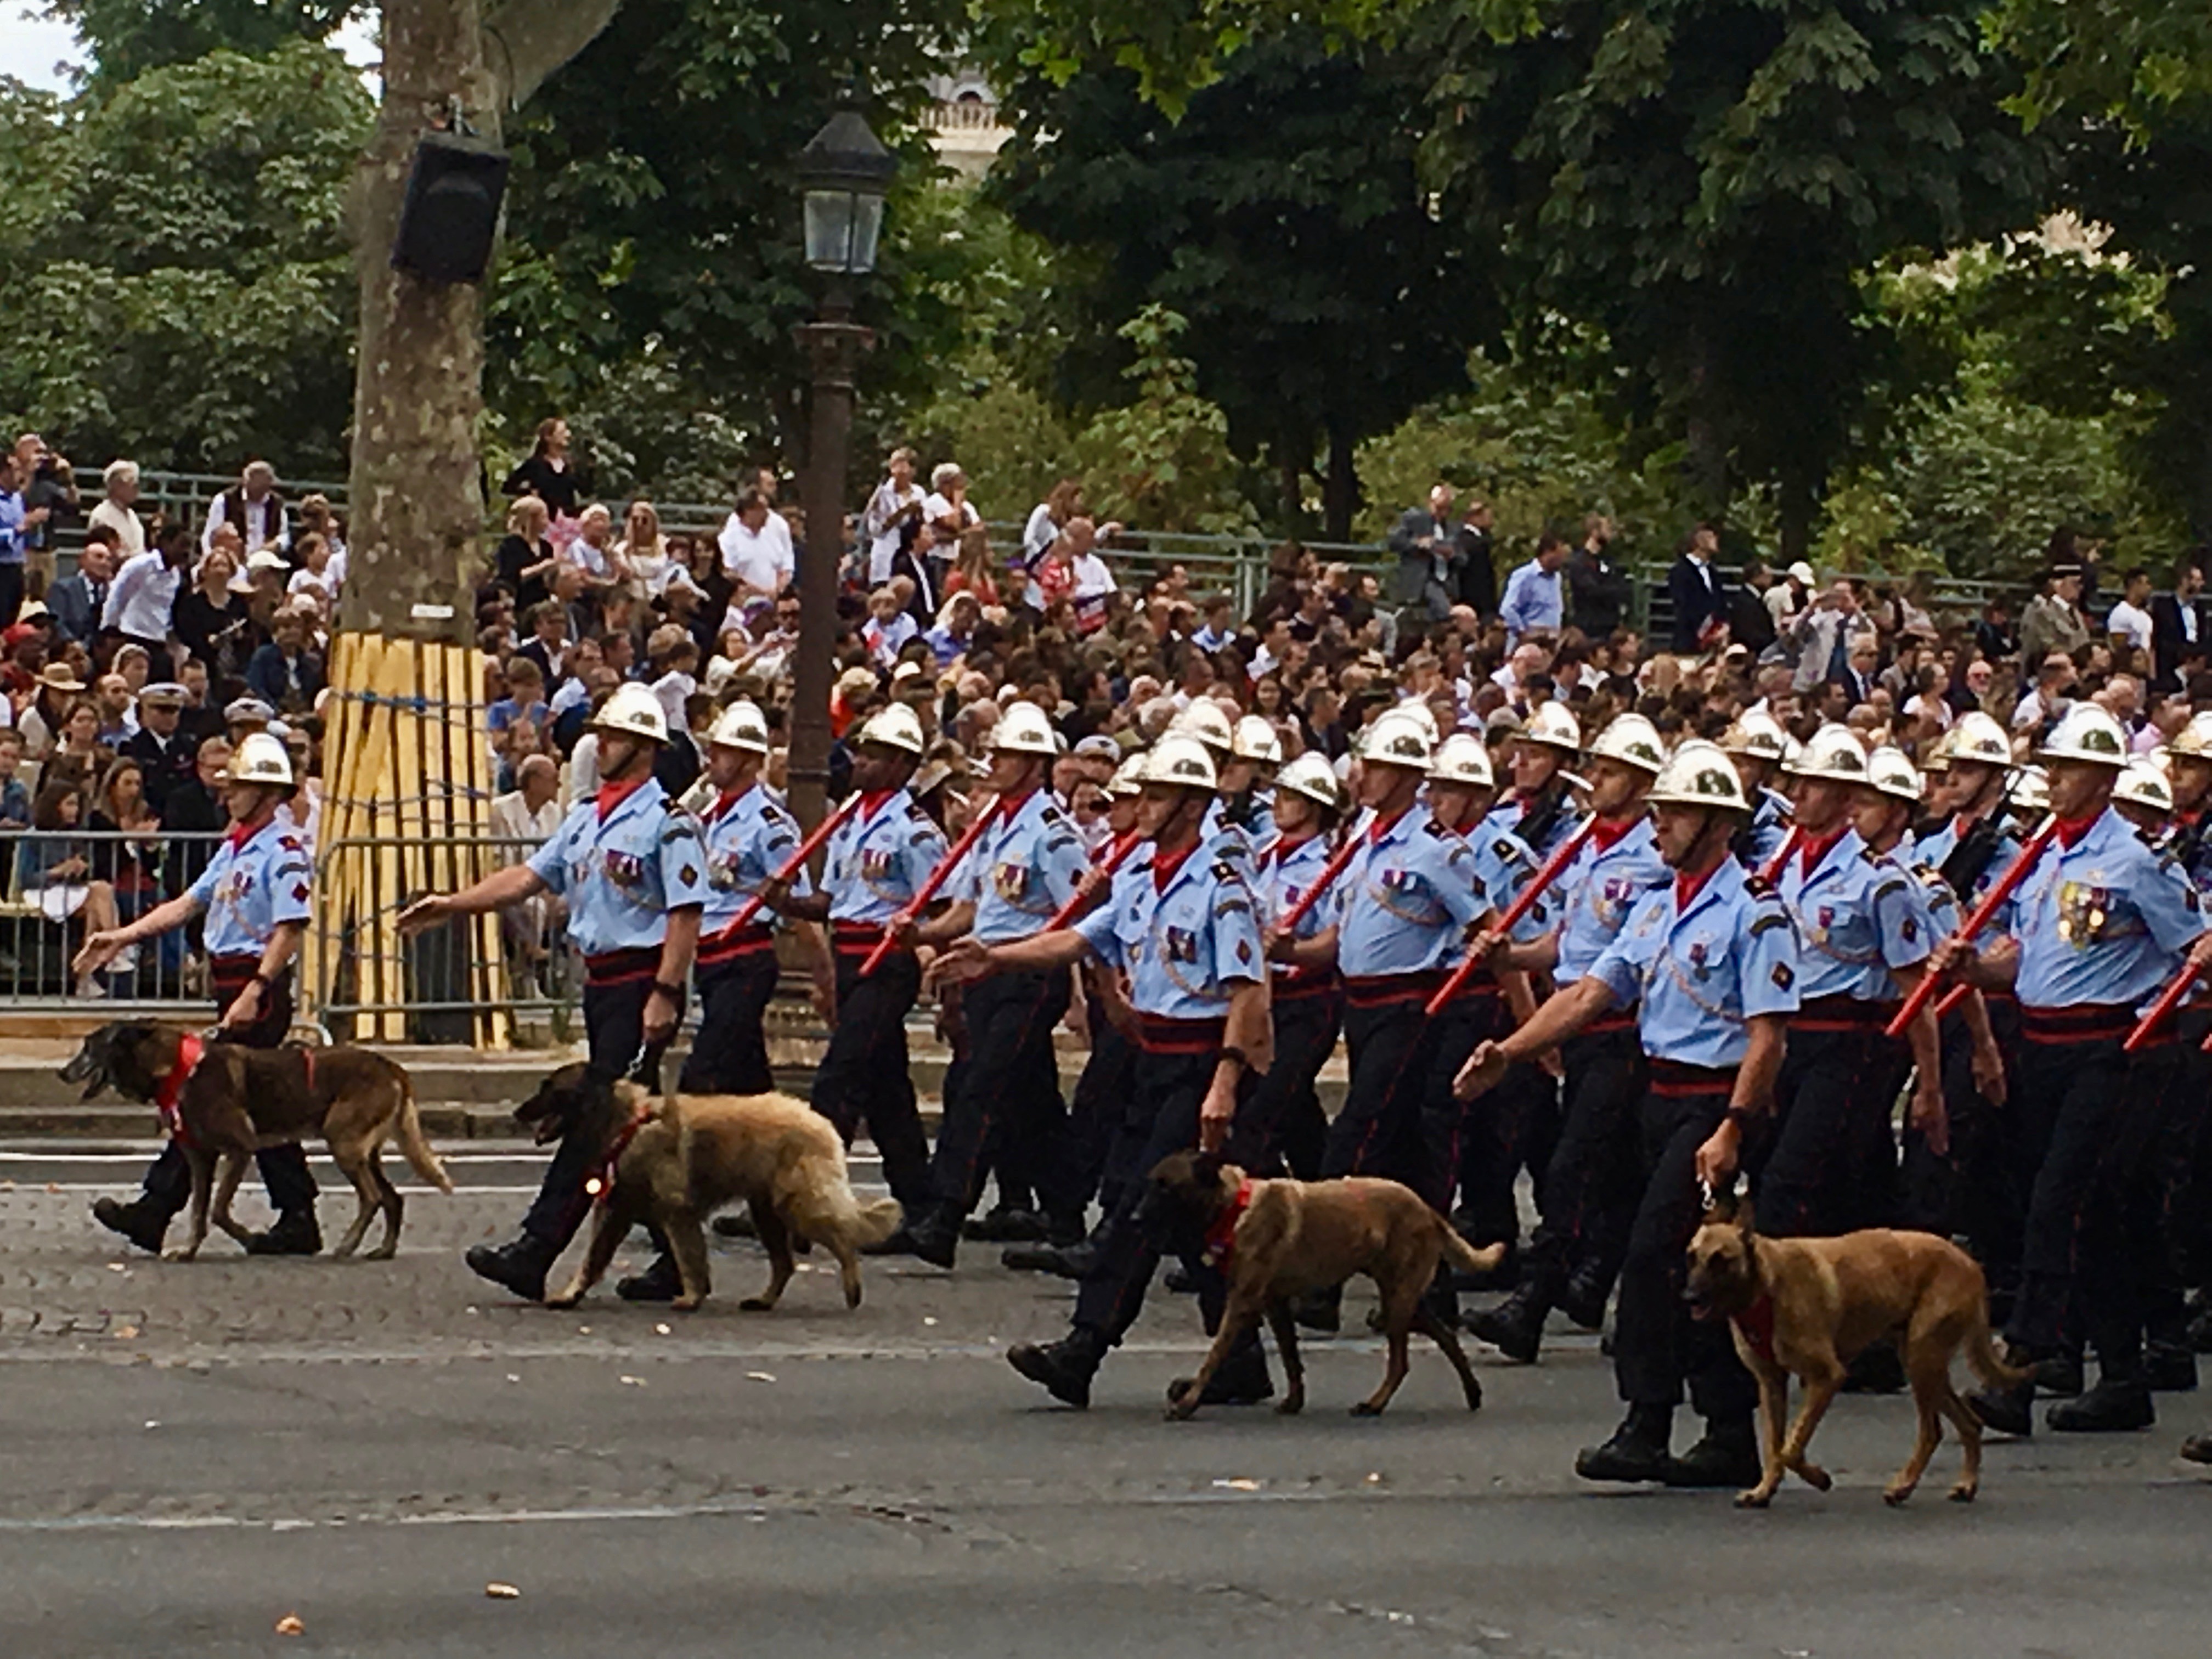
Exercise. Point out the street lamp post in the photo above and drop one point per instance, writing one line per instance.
(845, 171)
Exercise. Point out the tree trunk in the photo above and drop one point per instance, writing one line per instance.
(1340, 493)
(1705, 462)
(1293, 450)
(1796, 502)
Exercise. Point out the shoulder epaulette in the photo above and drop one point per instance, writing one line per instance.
(1507, 851)
(1440, 830)
(1883, 889)
(1054, 843)
(1758, 887)
(1772, 919)
(913, 810)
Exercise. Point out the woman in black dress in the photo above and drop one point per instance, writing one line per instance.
(547, 474)
(525, 562)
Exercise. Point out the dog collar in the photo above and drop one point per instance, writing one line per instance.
(1221, 1234)
(190, 1051)
(1757, 1324)
(599, 1185)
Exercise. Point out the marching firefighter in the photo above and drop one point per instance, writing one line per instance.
(1307, 997)
(1759, 749)
(1710, 965)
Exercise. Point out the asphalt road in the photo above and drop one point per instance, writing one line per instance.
(195, 1452)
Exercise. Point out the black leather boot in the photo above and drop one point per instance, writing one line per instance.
(2197, 1448)
(138, 1221)
(520, 1267)
(2115, 1406)
(1727, 1455)
(295, 1233)
(1583, 1298)
(1242, 1379)
(1065, 1368)
(2059, 1378)
(933, 1237)
(1515, 1325)
(1637, 1450)
(2005, 1411)
(1068, 1261)
(2169, 1368)
(1004, 1224)
(659, 1282)
(737, 1224)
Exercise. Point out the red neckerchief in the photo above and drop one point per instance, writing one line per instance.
(1687, 885)
(242, 833)
(1009, 805)
(1605, 831)
(725, 800)
(600, 1184)
(2071, 830)
(1757, 1324)
(190, 1049)
(1382, 827)
(1812, 848)
(1284, 847)
(307, 1065)
(1165, 864)
(871, 802)
(612, 795)
(1221, 1231)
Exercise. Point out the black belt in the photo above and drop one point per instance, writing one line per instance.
(623, 967)
(2084, 1021)
(1673, 1078)
(1157, 1034)
(747, 940)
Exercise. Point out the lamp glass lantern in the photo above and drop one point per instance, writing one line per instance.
(845, 171)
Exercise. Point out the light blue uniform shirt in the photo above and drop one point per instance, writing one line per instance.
(1287, 875)
(1703, 972)
(1406, 901)
(253, 886)
(1940, 846)
(1532, 601)
(1219, 838)
(622, 875)
(879, 861)
(1022, 871)
(1511, 817)
(1858, 916)
(1602, 889)
(1185, 950)
(1770, 827)
(2105, 921)
(748, 841)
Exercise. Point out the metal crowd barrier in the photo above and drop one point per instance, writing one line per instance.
(50, 894)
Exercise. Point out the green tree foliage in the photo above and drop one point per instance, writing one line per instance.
(173, 266)
(1326, 292)
(129, 37)
(2138, 62)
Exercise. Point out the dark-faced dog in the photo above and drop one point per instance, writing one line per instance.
(1276, 1240)
(237, 1100)
(1806, 1307)
(678, 1159)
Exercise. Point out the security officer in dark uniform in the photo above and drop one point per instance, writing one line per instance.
(631, 865)
(1710, 965)
(1307, 997)
(1587, 1192)
(1189, 936)
(2099, 926)
(878, 859)
(253, 898)
(166, 754)
(1026, 865)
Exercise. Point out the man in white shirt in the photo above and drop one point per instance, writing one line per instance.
(1790, 596)
(116, 512)
(144, 591)
(896, 499)
(756, 551)
(948, 505)
(1094, 580)
(2129, 618)
(253, 507)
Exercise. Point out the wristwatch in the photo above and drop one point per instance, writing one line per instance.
(673, 993)
(1243, 1061)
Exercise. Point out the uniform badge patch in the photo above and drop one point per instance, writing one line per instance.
(1783, 977)
(688, 875)
(1910, 929)
(301, 892)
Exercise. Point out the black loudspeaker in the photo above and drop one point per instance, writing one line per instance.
(447, 223)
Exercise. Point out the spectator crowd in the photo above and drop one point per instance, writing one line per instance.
(131, 673)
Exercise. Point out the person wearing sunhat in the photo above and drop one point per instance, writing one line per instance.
(252, 903)
(631, 865)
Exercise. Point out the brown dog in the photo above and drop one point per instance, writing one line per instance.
(1276, 1240)
(1806, 1306)
(234, 1101)
(677, 1160)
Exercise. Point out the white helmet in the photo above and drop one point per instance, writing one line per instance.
(1205, 721)
(1254, 739)
(1757, 735)
(1890, 772)
(2086, 732)
(2031, 789)
(2143, 784)
(2194, 740)
(1977, 738)
(1180, 759)
(1024, 729)
(633, 709)
(1631, 740)
(1551, 724)
(260, 758)
(1128, 779)
(1419, 709)
(742, 726)
(1699, 774)
(1835, 753)
(1461, 758)
(895, 726)
(1398, 736)
(1311, 775)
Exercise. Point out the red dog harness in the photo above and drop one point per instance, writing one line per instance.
(600, 1183)
(1221, 1236)
(1757, 1324)
(190, 1051)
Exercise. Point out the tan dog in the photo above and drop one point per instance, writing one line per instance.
(677, 1160)
(1276, 1240)
(233, 1101)
(1806, 1307)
